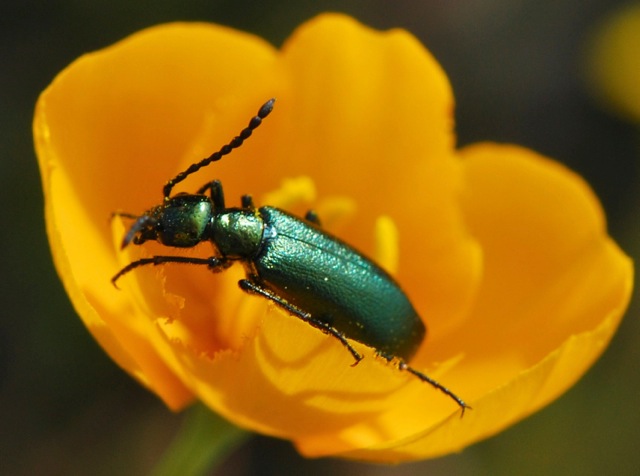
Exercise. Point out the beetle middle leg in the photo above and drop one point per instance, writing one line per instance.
(246, 201)
(254, 288)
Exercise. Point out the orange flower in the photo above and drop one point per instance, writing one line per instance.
(504, 253)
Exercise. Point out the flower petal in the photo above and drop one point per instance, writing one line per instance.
(554, 291)
(115, 121)
(550, 268)
(505, 405)
(373, 116)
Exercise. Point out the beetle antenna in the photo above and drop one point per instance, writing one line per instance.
(245, 133)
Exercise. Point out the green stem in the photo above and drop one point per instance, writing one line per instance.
(203, 443)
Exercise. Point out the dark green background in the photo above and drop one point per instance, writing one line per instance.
(516, 69)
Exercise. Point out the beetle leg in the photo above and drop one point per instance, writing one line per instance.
(254, 288)
(312, 217)
(216, 193)
(124, 215)
(213, 263)
(247, 202)
(402, 365)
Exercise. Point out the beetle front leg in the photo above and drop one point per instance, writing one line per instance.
(131, 216)
(254, 288)
(213, 263)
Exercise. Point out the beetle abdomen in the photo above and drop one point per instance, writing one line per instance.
(337, 285)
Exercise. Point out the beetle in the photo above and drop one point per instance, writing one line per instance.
(289, 261)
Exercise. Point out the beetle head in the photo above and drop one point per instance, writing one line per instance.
(182, 222)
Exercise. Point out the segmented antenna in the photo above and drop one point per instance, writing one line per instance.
(245, 133)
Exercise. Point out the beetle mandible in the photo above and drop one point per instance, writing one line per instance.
(304, 270)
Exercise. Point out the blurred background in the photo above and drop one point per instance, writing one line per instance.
(517, 69)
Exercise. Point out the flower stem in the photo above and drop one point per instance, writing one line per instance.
(203, 443)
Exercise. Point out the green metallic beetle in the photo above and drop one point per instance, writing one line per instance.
(292, 262)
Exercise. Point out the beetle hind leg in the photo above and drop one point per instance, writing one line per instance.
(402, 365)
(254, 288)
(312, 217)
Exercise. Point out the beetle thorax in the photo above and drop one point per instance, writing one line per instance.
(237, 233)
